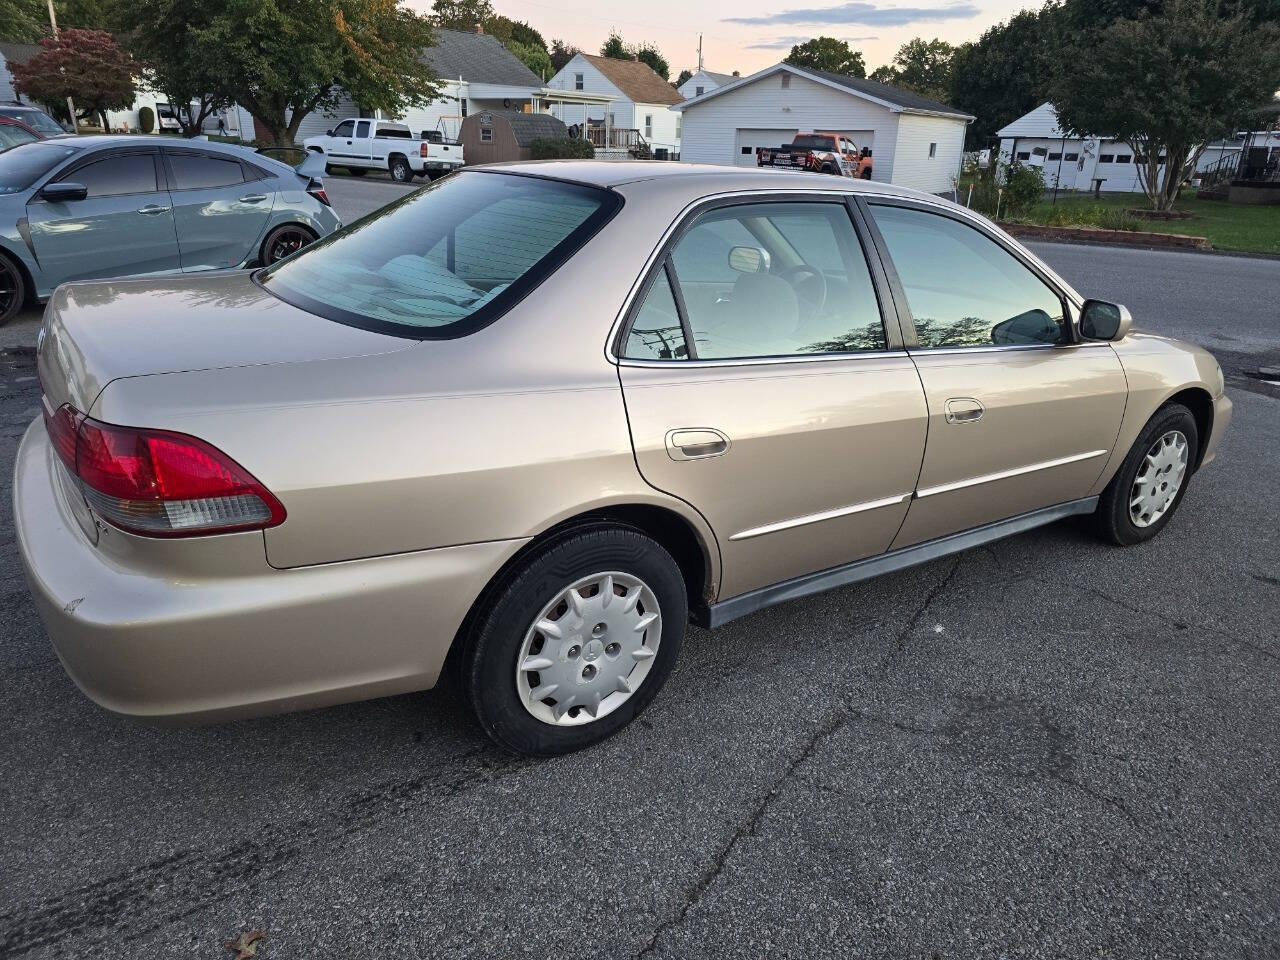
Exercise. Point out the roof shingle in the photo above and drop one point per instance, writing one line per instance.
(477, 58)
(636, 80)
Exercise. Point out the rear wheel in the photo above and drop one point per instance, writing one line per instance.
(285, 241)
(1149, 486)
(13, 290)
(400, 170)
(577, 642)
(357, 171)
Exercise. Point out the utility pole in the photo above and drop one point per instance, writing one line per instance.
(71, 107)
(699, 49)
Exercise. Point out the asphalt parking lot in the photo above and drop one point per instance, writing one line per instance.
(1042, 748)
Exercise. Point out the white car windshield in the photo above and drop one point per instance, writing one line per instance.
(447, 259)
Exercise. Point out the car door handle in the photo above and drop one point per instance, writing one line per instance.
(152, 210)
(254, 198)
(963, 410)
(696, 443)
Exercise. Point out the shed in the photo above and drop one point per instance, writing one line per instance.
(915, 141)
(495, 135)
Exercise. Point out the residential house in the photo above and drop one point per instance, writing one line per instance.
(914, 141)
(704, 81)
(642, 100)
(13, 53)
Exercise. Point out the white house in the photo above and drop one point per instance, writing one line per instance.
(914, 141)
(642, 100)
(704, 81)
(13, 53)
(1073, 162)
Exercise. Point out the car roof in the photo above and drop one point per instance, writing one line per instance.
(694, 178)
(100, 141)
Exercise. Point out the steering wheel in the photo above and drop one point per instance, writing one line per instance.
(809, 283)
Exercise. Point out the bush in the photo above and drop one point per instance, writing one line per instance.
(562, 148)
(1023, 189)
(146, 120)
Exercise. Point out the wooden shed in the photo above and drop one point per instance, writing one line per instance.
(494, 135)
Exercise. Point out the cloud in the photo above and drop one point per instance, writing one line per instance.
(860, 12)
(786, 43)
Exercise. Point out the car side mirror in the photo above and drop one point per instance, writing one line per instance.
(328, 133)
(64, 192)
(748, 259)
(1100, 320)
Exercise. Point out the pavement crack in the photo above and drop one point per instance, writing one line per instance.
(904, 635)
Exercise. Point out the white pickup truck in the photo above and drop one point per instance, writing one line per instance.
(361, 144)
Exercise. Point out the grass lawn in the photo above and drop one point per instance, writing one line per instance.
(1229, 226)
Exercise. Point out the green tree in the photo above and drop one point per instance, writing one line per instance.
(1006, 73)
(284, 59)
(614, 48)
(648, 53)
(684, 75)
(924, 67)
(885, 73)
(561, 54)
(534, 57)
(86, 65)
(22, 21)
(829, 54)
(462, 14)
(172, 43)
(1167, 84)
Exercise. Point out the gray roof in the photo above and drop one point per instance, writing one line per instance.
(720, 77)
(19, 52)
(884, 91)
(477, 58)
(529, 127)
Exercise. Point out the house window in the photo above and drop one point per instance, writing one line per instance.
(463, 101)
(1023, 155)
(648, 126)
(1106, 158)
(486, 135)
(1124, 158)
(1070, 157)
(933, 150)
(697, 91)
(786, 81)
(679, 124)
(1055, 156)
(577, 81)
(746, 151)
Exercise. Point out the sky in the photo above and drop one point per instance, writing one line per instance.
(746, 35)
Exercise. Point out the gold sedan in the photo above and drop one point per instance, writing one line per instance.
(532, 419)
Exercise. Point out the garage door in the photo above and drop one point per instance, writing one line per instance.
(744, 154)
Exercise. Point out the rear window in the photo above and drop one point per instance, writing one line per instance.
(36, 120)
(11, 135)
(192, 171)
(446, 260)
(814, 143)
(24, 165)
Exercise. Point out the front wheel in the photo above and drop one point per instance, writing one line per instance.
(577, 642)
(400, 170)
(13, 290)
(1149, 486)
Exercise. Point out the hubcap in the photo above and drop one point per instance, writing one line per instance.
(589, 649)
(1159, 479)
(8, 287)
(287, 243)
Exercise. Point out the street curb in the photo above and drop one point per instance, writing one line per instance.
(1035, 231)
(1211, 252)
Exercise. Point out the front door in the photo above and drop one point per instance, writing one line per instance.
(220, 213)
(124, 227)
(764, 388)
(1020, 416)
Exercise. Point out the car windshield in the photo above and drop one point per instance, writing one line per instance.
(24, 165)
(446, 260)
(12, 135)
(36, 120)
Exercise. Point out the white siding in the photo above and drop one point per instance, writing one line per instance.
(711, 129)
(317, 122)
(593, 81)
(447, 109)
(912, 165)
(700, 79)
(6, 81)
(665, 121)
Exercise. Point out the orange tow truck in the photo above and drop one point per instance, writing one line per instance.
(821, 152)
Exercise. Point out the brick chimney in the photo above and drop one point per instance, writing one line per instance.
(479, 28)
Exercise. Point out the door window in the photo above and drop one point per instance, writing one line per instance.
(362, 128)
(344, 128)
(963, 288)
(776, 279)
(191, 171)
(656, 333)
(117, 175)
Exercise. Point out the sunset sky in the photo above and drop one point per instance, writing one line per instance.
(746, 35)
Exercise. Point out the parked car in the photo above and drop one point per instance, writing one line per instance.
(364, 145)
(99, 207)
(832, 153)
(418, 442)
(33, 117)
(13, 133)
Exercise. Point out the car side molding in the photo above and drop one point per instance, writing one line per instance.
(718, 614)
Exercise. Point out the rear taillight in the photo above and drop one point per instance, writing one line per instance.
(158, 483)
(316, 189)
(422, 150)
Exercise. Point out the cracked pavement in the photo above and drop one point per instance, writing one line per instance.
(1045, 747)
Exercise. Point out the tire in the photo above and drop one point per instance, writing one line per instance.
(400, 170)
(292, 236)
(13, 290)
(505, 636)
(357, 171)
(827, 168)
(1135, 506)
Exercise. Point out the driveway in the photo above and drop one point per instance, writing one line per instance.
(1045, 747)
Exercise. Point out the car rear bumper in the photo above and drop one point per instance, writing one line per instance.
(206, 629)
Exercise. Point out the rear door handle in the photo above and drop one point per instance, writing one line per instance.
(696, 443)
(963, 410)
(254, 198)
(152, 210)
